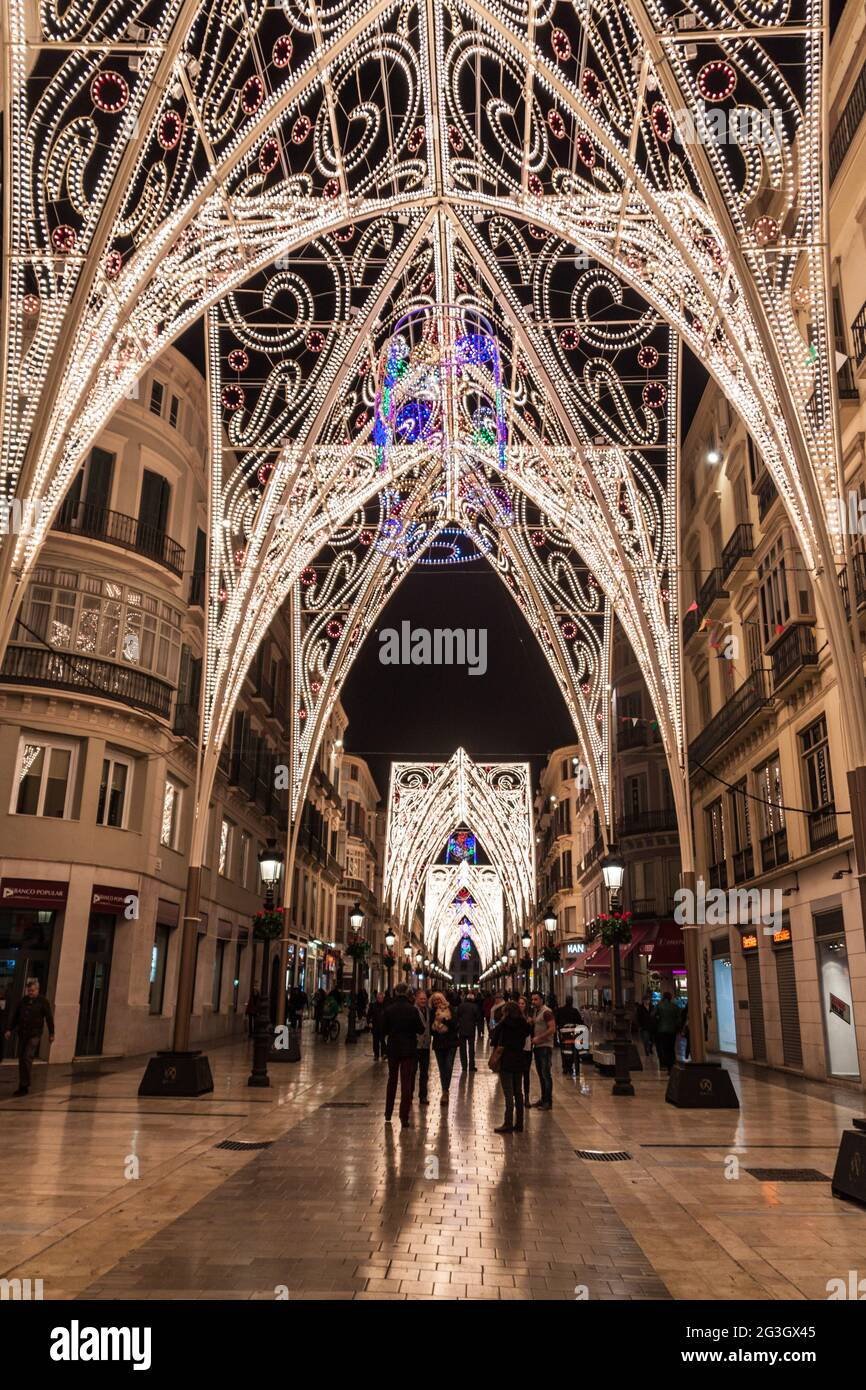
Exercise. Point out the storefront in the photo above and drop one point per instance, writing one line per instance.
(837, 1006)
(30, 913)
(789, 1006)
(577, 984)
(167, 918)
(754, 990)
(723, 992)
(106, 904)
(667, 967)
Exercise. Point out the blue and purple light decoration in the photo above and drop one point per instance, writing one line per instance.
(466, 948)
(440, 371)
(462, 848)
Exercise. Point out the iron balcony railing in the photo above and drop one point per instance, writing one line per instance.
(127, 532)
(712, 588)
(823, 830)
(739, 547)
(691, 623)
(795, 651)
(858, 332)
(746, 700)
(186, 721)
(646, 822)
(69, 671)
(849, 121)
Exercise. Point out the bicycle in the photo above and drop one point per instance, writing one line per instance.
(330, 1029)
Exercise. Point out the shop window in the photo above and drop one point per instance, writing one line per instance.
(172, 798)
(158, 959)
(44, 783)
(115, 789)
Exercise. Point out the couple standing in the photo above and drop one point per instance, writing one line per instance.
(412, 1030)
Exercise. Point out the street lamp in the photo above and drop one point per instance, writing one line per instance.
(407, 961)
(526, 962)
(550, 927)
(613, 873)
(512, 957)
(356, 922)
(270, 868)
(390, 958)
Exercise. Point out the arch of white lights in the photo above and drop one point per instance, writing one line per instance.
(442, 929)
(428, 801)
(161, 157)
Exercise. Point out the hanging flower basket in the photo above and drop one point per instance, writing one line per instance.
(389, 961)
(615, 928)
(552, 955)
(358, 950)
(268, 925)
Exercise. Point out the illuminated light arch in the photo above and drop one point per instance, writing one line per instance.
(443, 930)
(427, 801)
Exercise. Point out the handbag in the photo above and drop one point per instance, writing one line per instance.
(494, 1061)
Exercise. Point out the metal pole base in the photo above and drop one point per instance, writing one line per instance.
(177, 1074)
(262, 1043)
(701, 1086)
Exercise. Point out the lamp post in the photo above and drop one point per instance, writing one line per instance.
(356, 922)
(390, 959)
(550, 928)
(526, 962)
(407, 962)
(613, 872)
(270, 868)
(512, 958)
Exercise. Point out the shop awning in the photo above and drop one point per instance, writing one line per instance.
(598, 959)
(668, 952)
(640, 933)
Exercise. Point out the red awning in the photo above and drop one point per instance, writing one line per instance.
(668, 951)
(597, 959)
(639, 934)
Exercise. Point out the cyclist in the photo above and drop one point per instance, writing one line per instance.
(332, 1007)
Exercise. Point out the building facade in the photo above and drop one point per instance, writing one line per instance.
(784, 974)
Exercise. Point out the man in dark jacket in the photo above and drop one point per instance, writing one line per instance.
(466, 1020)
(28, 1020)
(377, 1025)
(402, 1026)
(568, 1020)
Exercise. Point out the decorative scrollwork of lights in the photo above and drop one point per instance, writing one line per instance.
(427, 801)
(320, 127)
(448, 917)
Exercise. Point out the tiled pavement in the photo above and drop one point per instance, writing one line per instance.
(106, 1195)
(346, 1206)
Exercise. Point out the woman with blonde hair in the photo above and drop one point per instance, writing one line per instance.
(443, 1034)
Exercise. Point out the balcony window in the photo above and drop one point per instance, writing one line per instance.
(115, 787)
(818, 784)
(714, 822)
(772, 578)
(103, 619)
(46, 773)
(157, 396)
(226, 843)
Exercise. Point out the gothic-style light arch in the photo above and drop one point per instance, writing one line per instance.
(446, 910)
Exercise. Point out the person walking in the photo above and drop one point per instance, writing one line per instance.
(402, 1025)
(568, 1020)
(645, 1024)
(544, 1027)
(362, 999)
(443, 1031)
(467, 1019)
(377, 1026)
(512, 1034)
(423, 1008)
(251, 1010)
(527, 1049)
(31, 1014)
(667, 1022)
(297, 1004)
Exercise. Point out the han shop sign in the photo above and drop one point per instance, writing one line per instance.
(33, 892)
